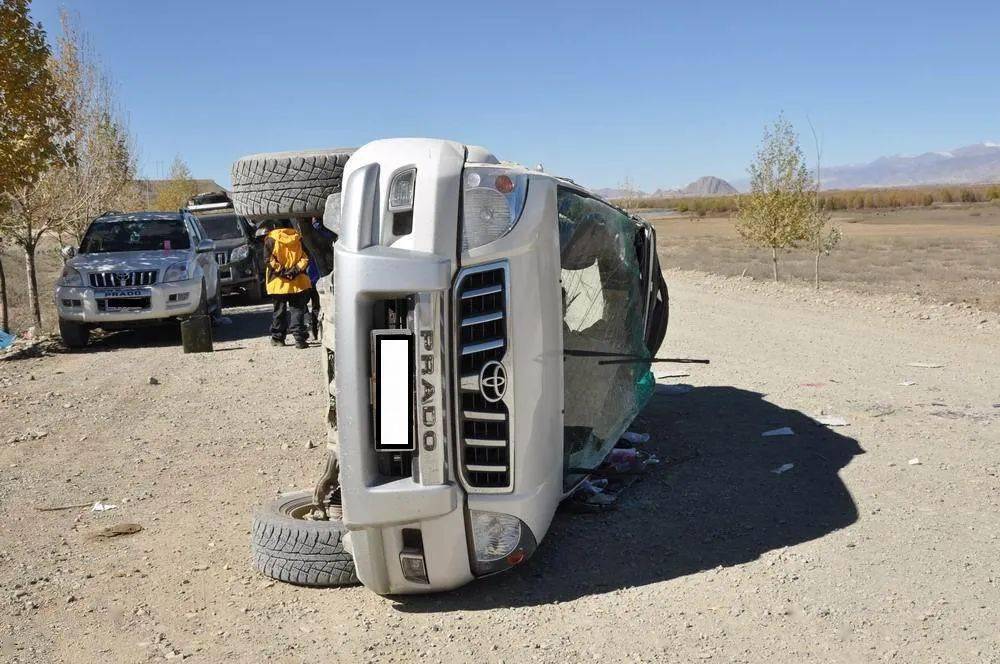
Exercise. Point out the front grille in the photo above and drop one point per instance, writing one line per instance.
(123, 278)
(220, 257)
(393, 315)
(484, 423)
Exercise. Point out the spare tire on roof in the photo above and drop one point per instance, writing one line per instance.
(283, 185)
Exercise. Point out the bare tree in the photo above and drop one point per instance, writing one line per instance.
(630, 195)
(820, 235)
(103, 174)
(774, 214)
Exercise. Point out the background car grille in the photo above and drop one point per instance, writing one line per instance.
(220, 257)
(123, 278)
(393, 315)
(481, 311)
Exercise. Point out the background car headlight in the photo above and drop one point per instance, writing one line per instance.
(176, 272)
(499, 541)
(491, 204)
(239, 253)
(70, 277)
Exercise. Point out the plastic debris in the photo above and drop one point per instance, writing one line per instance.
(914, 461)
(6, 340)
(783, 431)
(679, 388)
(102, 507)
(907, 383)
(925, 365)
(832, 421)
(634, 437)
(783, 468)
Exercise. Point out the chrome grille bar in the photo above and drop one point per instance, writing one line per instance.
(480, 309)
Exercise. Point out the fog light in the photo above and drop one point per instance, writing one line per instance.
(401, 190)
(414, 567)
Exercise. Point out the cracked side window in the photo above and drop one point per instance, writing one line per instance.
(603, 300)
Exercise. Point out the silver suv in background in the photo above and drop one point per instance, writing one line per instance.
(136, 269)
(239, 255)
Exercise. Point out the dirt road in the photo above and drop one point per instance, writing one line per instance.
(880, 543)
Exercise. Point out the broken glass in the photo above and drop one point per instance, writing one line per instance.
(607, 380)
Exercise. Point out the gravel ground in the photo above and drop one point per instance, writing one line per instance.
(880, 543)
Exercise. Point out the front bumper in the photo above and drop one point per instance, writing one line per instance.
(377, 508)
(236, 275)
(81, 304)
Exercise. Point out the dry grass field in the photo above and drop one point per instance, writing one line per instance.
(945, 253)
(939, 254)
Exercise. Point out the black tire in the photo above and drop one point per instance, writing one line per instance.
(293, 550)
(287, 184)
(215, 308)
(74, 335)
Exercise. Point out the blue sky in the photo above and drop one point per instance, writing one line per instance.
(659, 92)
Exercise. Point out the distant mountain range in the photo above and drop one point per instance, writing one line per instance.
(966, 165)
(703, 186)
(972, 164)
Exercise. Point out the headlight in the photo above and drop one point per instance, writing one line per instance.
(70, 277)
(492, 203)
(239, 253)
(499, 541)
(176, 272)
(401, 190)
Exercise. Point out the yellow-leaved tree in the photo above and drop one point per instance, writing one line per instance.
(776, 212)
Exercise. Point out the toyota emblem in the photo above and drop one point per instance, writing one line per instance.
(122, 278)
(493, 381)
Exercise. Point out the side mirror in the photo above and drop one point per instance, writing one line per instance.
(331, 214)
(68, 252)
(205, 246)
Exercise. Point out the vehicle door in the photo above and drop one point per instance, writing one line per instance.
(204, 259)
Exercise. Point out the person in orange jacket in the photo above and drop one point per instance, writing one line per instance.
(287, 283)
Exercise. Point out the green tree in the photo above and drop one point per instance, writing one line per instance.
(175, 192)
(775, 212)
(34, 130)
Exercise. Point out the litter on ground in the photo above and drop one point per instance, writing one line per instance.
(6, 340)
(907, 383)
(914, 461)
(783, 431)
(832, 421)
(634, 437)
(102, 507)
(925, 365)
(785, 467)
(116, 530)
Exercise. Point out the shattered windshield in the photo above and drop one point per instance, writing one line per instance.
(603, 329)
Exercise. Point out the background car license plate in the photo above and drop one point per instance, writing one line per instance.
(122, 292)
(393, 382)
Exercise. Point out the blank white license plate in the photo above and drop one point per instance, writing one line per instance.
(393, 385)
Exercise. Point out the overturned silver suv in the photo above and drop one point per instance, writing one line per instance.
(491, 341)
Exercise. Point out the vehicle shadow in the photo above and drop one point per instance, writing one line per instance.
(245, 322)
(713, 501)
